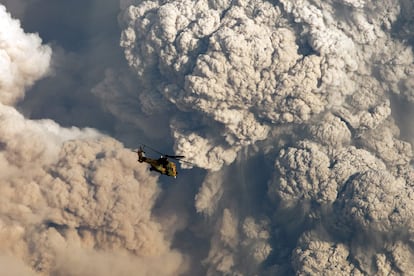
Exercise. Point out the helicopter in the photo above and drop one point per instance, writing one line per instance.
(162, 164)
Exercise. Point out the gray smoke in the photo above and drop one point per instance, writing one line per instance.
(294, 114)
(312, 86)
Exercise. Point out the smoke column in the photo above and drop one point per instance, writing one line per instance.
(294, 111)
(296, 116)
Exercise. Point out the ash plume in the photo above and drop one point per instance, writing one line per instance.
(306, 88)
(73, 200)
(295, 116)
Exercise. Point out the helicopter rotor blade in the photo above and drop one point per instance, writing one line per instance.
(164, 155)
(187, 162)
(154, 150)
(174, 156)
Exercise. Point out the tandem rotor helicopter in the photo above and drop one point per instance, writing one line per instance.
(162, 164)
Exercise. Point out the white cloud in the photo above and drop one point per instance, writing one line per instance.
(23, 59)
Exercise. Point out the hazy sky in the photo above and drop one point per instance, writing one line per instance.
(85, 43)
(296, 115)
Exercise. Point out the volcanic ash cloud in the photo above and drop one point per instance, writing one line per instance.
(73, 200)
(324, 74)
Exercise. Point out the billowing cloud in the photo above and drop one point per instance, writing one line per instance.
(290, 109)
(238, 246)
(304, 174)
(377, 202)
(86, 199)
(23, 58)
(308, 88)
(231, 60)
(73, 200)
(318, 256)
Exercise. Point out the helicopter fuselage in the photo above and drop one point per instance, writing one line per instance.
(161, 165)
